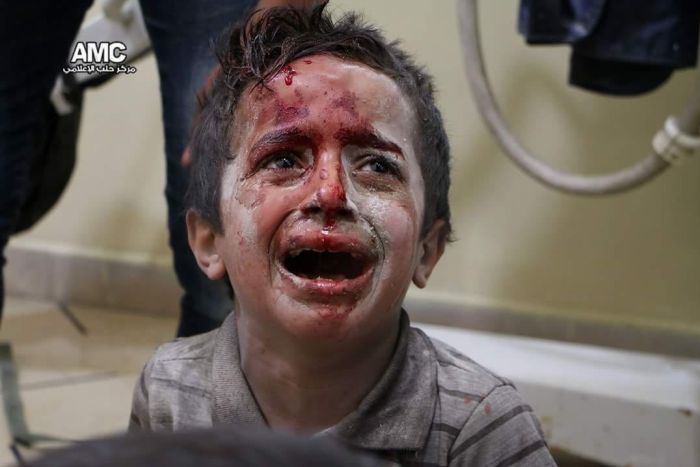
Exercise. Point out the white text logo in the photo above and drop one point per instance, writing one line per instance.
(99, 52)
(99, 57)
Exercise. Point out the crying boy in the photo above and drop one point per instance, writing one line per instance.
(319, 191)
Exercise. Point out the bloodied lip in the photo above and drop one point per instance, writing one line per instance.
(327, 264)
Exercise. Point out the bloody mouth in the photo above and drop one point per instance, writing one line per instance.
(313, 264)
(328, 264)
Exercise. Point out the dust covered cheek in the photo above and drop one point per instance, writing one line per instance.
(395, 221)
(239, 228)
(247, 225)
(401, 230)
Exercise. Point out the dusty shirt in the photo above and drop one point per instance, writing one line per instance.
(432, 406)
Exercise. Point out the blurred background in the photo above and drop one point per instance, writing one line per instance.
(632, 258)
(620, 272)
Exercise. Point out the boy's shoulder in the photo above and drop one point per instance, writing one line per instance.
(462, 384)
(196, 347)
(184, 361)
(479, 417)
(455, 368)
(175, 390)
(182, 367)
(457, 374)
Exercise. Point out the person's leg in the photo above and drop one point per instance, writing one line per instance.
(181, 33)
(35, 40)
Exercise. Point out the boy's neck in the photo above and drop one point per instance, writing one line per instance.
(306, 390)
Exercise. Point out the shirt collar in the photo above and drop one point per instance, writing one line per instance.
(395, 415)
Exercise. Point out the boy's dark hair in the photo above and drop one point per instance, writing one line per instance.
(256, 49)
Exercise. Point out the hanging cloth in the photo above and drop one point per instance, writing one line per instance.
(619, 47)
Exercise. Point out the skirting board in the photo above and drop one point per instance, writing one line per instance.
(143, 285)
(91, 278)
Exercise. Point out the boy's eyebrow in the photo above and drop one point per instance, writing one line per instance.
(362, 136)
(284, 135)
(366, 137)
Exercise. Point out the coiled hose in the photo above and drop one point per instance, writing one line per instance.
(686, 124)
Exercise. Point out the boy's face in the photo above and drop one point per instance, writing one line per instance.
(322, 206)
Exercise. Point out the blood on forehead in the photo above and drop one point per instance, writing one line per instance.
(346, 102)
(288, 72)
(336, 95)
(289, 113)
(284, 107)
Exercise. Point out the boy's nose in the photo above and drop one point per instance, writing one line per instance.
(329, 196)
(331, 191)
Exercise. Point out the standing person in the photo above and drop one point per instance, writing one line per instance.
(35, 42)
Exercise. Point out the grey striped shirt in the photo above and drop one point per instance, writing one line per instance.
(432, 406)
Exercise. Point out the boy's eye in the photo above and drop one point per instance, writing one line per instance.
(381, 165)
(378, 166)
(281, 160)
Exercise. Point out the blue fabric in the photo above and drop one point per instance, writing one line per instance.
(181, 33)
(558, 21)
(620, 47)
(35, 42)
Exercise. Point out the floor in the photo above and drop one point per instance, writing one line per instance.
(77, 367)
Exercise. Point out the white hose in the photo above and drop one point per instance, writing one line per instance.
(687, 123)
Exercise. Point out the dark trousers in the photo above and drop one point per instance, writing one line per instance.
(35, 39)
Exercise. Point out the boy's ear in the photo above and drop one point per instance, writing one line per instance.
(432, 246)
(201, 236)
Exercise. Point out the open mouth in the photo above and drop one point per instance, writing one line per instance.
(330, 265)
